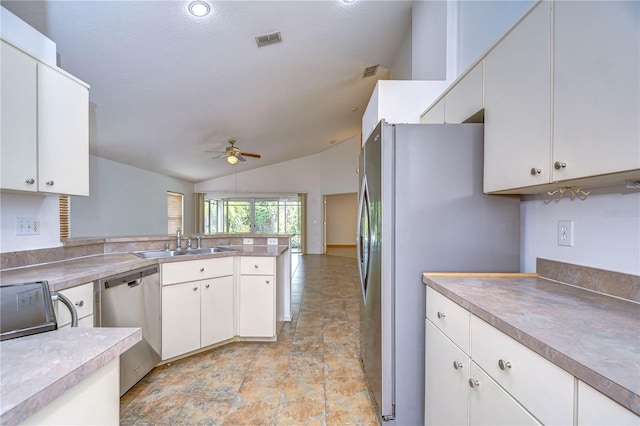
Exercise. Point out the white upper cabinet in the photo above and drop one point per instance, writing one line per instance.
(45, 127)
(517, 102)
(18, 114)
(466, 98)
(63, 133)
(596, 87)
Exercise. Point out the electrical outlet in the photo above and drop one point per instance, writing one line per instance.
(27, 226)
(565, 233)
(247, 241)
(272, 241)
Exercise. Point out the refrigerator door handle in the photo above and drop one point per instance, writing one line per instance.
(364, 238)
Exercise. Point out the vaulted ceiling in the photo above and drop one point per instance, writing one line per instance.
(167, 86)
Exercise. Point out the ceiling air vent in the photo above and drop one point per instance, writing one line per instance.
(268, 39)
(370, 71)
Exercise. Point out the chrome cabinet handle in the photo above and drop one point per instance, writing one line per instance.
(30, 181)
(201, 269)
(49, 182)
(559, 165)
(195, 288)
(535, 171)
(208, 285)
(474, 383)
(268, 281)
(80, 304)
(504, 364)
(256, 266)
(441, 314)
(457, 365)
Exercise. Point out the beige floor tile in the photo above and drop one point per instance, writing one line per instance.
(310, 376)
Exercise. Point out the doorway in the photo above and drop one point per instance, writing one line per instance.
(340, 224)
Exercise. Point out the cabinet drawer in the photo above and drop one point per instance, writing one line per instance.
(595, 408)
(256, 265)
(544, 388)
(489, 404)
(82, 297)
(192, 270)
(449, 317)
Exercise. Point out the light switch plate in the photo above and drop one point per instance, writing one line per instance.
(27, 226)
(247, 241)
(272, 241)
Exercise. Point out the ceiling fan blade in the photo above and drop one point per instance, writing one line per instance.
(248, 154)
(240, 157)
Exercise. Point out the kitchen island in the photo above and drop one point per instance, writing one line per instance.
(50, 371)
(590, 335)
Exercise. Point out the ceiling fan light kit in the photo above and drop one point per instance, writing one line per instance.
(233, 153)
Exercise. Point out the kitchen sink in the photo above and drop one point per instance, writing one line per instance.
(158, 254)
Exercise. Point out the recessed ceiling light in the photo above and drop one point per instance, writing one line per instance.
(348, 1)
(199, 8)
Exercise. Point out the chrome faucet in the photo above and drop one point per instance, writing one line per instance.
(199, 238)
(189, 243)
(178, 240)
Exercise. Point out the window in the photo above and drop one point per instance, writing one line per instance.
(282, 215)
(174, 211)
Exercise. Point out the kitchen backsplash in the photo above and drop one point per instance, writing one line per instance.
(616, 284)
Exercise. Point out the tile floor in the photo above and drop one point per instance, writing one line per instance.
(310, 376)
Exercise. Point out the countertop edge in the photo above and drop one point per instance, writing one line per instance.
(45, 396)
(604, 385)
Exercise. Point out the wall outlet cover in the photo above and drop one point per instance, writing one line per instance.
(565, 233)
(27, 226)
(272, 241)
(247, 241)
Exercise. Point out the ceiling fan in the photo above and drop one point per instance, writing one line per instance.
(234, 154)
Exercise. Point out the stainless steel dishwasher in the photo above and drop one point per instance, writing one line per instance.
(132, 299)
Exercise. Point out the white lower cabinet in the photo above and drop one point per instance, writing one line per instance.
(446, 380)
(257, 306)
(541, 386)
(180, 319)
(82, 298)
(216, 311)
(595, 408)
(200, 312)
(489, 404)
(493, 381)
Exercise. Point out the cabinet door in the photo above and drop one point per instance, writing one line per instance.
(595, 408)
(596, 87)
(216, 313)
(18, 117)
(446, 380)
(466, 98)
(257, 306)
(63, 133)
(180, 319)
(435, 114)
(82, 298)
(489, 404)
(544, 388)
(517, 105)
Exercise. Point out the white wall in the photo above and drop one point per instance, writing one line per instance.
(429, 40)
(482, 23)
(332, 171)
(43, 208)
(126, 200)
(401, 64)
(606, 232)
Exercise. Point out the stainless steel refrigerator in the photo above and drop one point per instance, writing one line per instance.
(421, 209)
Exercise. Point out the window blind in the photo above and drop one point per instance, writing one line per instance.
(174, 211)
(64, 210)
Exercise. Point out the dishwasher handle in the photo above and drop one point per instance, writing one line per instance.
(135, 282)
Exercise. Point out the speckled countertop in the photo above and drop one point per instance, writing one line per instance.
(30, 379)
(593, 336)
(69, 273)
